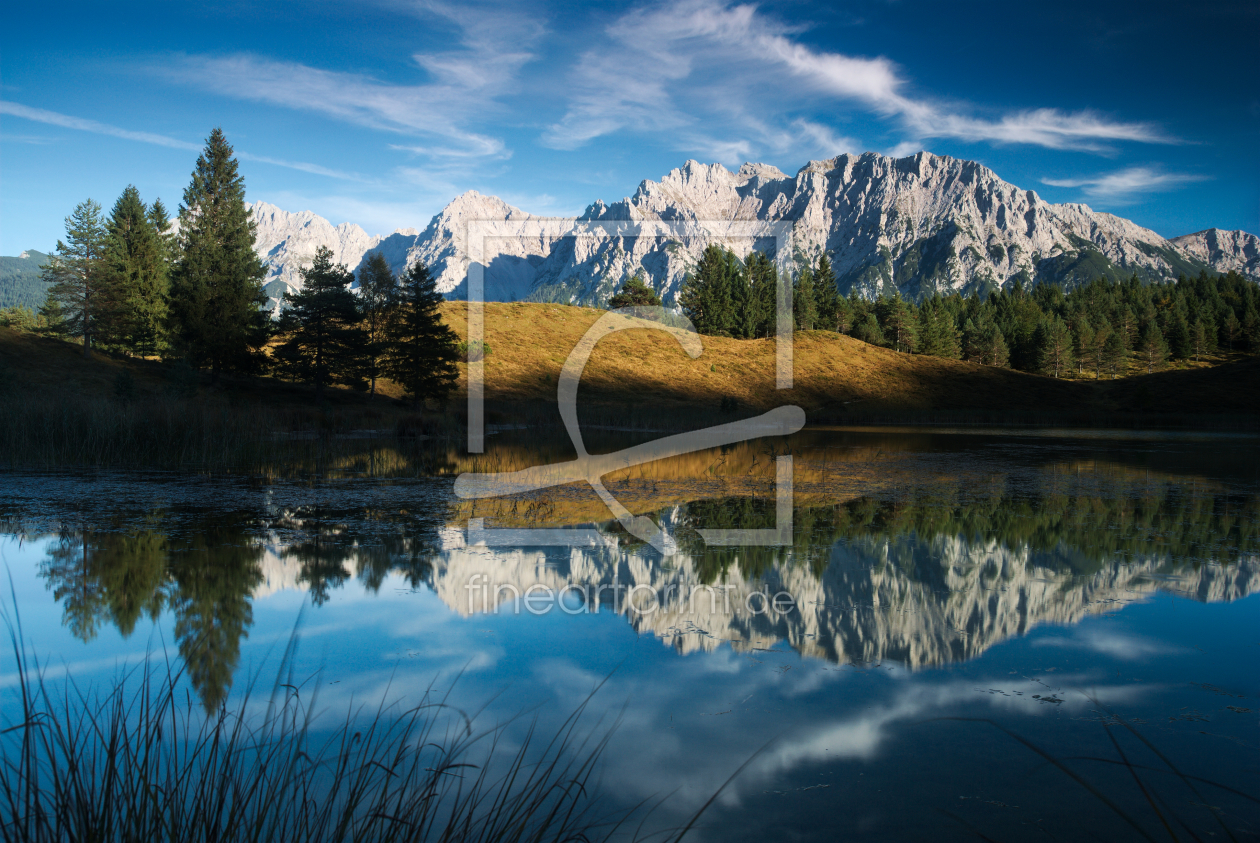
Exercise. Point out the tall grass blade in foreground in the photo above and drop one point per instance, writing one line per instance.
(141, 761)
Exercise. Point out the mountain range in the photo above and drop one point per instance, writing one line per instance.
(920, 225)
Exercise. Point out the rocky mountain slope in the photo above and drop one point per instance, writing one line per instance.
(864, 607)
(920, 224)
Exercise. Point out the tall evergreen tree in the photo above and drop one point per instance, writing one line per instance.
(378, 295)
(421, 350)
(897, 319)
(707, 295)
(1198, 340)
(1115, 355)
(1231, 329)
(1096, 352)
(1054, 341)
(160, 219)
(137, 264)
(832, 314)
(760, 311)
(1083, 341)
(322, 340)
(866, 328)
(217, 299)
(79, 275)
(805, 300)
(1152, 349)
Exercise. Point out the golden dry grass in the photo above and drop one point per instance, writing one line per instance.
(643, 372)
(530, 342)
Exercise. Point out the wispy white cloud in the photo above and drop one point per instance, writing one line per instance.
(53, 118)
(701, 65)
(66, 121)
(1128, 184)
(1115, 645)
(464, 85)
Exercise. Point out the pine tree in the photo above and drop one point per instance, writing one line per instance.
(1152, 349)
(805, 300)
(1054, 343)
(1251, 328)
(937, 334)
(137, 264)
(79, 276)
(634, 293)
(1198, 340)
(1083, 341)
(322, 340)
(1097, 349)
(993, 348)
(1179, 335)
(217, 299)
(760, 309)
(167, 239)
(51, 320)
(897, 319)
(421, 350)
(866, 328)
(378, 295)
(1115, 353)
(706, 297)
(1231, 328)
(832, 314)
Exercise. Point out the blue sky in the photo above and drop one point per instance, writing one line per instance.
(380, 113)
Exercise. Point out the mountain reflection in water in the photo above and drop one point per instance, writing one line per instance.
(921, 562)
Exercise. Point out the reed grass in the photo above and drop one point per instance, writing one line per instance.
(141, 761)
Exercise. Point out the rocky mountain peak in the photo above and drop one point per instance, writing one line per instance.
(918, 224)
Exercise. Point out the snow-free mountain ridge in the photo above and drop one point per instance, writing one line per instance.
(919, 224)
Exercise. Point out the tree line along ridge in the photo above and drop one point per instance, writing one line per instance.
(133, 282)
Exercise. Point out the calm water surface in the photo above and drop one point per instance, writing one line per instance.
(947, 594)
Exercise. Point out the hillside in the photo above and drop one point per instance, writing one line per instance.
(645, 374)
(20, 285)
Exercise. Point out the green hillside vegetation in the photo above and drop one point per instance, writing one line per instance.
(20, 283)
(1103, 328)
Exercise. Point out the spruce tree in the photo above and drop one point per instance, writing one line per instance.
(805, 300)
(1083, 341)
(707, 297)
(420, 350)
(1097, 350)
(1054, 344)
(1231, 329)
(1152, 349)
(1115, 354)
(322, 340)
(217, 299)
(51, 320)
(1198, 339)
(866, 328)
(79, 276)
(832, 314)
(137, 265)
(760, 311)
(897, 319)
(167, 239)
(378, 295)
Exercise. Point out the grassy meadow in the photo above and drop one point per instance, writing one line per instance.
(58, 409)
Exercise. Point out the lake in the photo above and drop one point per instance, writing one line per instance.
(971, 634)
